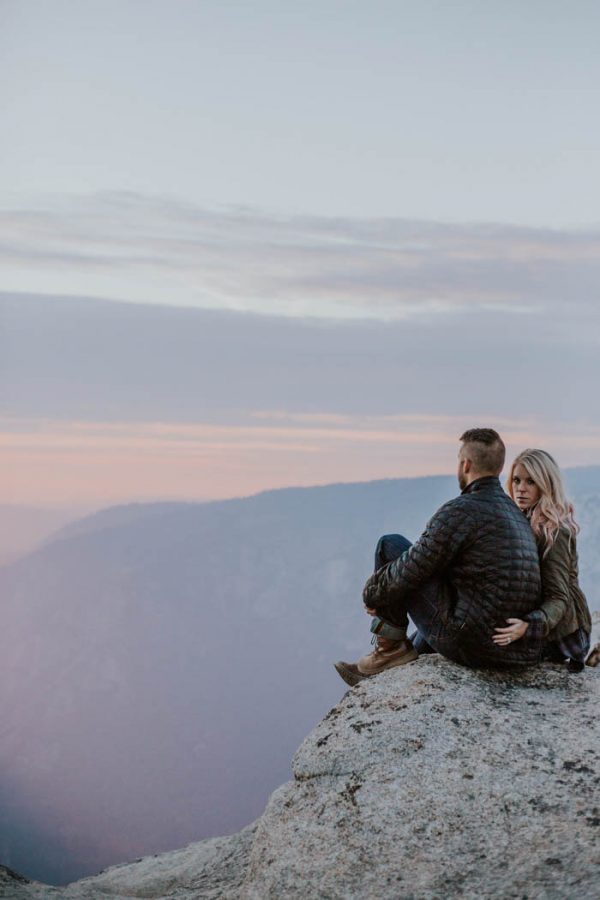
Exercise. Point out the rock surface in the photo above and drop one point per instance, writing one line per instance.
(429, 781)
(209, 869)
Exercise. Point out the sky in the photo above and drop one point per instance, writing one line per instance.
(253, 244)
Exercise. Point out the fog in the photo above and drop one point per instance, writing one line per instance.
(161, 663)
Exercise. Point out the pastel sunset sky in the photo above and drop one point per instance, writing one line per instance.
(254, 244)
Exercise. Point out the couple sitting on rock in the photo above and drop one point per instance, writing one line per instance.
(492, 581)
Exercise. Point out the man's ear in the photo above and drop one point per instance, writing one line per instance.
(467, 465)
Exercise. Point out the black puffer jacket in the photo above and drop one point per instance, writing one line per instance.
(479, 559)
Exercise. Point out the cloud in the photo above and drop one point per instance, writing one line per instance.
(98, 463)
(158, 250)
(92, 360)
(275, 350)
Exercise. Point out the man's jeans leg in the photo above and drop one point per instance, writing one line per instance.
(390, 547)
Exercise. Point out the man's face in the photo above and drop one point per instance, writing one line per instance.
(461, 474)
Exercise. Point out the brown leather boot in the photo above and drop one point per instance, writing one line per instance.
(349, 673)
(386, 655)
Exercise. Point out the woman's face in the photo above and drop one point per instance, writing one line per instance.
(525, 491)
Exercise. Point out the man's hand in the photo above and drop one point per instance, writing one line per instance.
(505, 636)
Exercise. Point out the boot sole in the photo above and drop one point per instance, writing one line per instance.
(347, 675)
(402, 661)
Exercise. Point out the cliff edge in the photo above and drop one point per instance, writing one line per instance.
(430, 780)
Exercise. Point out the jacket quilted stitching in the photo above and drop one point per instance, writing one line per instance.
(477, 557)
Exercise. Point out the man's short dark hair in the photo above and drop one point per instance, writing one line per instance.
(486, 449)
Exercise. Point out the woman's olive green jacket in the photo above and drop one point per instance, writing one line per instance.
(563, 604)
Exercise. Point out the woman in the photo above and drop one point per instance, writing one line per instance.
(563, 619)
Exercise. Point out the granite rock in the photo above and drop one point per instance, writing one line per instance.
(436, 781)
(428, 781)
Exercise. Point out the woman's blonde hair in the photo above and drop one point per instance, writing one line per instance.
(552, 509)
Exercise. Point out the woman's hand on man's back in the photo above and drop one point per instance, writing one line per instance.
(514, 632)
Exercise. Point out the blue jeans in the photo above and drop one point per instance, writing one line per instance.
(422, 612)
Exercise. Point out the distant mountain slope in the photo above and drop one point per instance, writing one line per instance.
(24, 527)
(161, 662)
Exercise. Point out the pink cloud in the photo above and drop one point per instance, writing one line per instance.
(99, 463)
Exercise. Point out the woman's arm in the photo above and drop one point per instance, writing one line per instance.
(554, 568)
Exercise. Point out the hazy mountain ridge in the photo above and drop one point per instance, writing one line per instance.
(115, 517)
(161, 664)
(22, 528)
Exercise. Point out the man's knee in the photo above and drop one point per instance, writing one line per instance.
(390, 547)
(385, 543)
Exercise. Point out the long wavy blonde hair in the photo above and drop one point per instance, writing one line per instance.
(552, 510)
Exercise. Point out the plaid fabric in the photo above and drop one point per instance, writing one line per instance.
(575, 646)
(537, 626)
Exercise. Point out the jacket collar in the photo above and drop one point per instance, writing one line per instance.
(488, 482)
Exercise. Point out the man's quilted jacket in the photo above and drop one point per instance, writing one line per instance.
(478, 560)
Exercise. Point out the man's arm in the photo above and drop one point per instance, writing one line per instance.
(443, 537)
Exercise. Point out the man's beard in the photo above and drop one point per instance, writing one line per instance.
(462, 480)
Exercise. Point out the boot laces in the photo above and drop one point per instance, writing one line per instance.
(380, 647)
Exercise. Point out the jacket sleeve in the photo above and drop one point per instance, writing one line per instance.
(554, 568)
(442, 539)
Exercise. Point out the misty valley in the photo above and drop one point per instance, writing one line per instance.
(162, 662)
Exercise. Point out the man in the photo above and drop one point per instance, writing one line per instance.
(475, 564)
